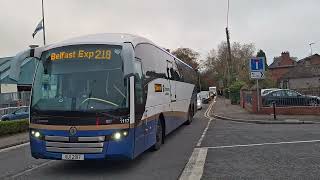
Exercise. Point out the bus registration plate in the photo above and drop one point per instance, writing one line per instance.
(73, 157)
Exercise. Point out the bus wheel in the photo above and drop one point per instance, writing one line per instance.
(190, 117)
(159, 137)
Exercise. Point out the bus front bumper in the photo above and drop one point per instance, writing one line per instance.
(112, 147)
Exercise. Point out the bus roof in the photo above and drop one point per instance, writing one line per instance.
(108, 38)
(104, 38)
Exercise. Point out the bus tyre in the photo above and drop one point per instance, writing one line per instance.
(190, 117)
(159, 137)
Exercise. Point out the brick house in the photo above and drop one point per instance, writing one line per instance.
(305, 76)
(281, 65)
(311, 60)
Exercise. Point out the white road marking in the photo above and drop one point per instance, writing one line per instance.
(207, 115)
(13, 147)
(31, 169)
(195, 165)
(263, 144)
(204, 133)
(194, 168)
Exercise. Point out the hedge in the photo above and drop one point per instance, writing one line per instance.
(235, 91)
(12, 127)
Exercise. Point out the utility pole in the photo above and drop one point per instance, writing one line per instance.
(44, 29)
(229, 61)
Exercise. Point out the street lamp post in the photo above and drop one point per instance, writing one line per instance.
(311, 47)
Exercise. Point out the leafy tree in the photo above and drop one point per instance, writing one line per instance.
(267, 82)
(261, 53)
(188, 56)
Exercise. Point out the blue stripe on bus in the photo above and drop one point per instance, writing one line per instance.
(123, 149)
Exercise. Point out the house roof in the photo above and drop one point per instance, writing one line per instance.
(309, 58)
(303, 72)
(276, 63)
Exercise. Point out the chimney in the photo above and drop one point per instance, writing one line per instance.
(285, 55)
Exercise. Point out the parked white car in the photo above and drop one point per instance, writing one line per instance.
(204, 96)
(266, 91)
(199, 102)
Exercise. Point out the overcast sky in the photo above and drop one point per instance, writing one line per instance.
(272, 25)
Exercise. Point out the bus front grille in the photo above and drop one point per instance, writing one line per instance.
(62, 144)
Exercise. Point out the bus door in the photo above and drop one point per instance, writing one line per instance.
(140, 113)
(172, 83)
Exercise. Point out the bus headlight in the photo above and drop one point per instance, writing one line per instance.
(119, 135)
(125, 133)
(36, 134)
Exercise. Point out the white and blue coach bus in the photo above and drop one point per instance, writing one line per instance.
(107, 96)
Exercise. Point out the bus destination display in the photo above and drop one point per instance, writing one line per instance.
(98, 54)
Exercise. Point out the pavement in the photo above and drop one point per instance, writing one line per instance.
(13, 140)
(224, 110)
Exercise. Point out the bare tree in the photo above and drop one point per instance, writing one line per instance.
(217, 66)
(188, 56)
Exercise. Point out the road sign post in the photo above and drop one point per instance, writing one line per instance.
(258, 96)
(257, 71)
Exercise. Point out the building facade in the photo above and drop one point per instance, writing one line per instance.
(281, 65)
(12, 91)
(304, 77)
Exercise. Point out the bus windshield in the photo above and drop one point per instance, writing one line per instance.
(80, 78)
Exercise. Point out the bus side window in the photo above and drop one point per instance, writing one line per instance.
(138, 82)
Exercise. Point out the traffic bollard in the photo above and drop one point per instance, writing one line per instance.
(274, 110)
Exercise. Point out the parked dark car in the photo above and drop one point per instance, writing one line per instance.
(287, 97)
(20, 113)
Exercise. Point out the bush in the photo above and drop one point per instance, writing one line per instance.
(12, 127)
(235, 91)
(226, 93)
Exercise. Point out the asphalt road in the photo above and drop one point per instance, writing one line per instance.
(226, 150)
(167, 163)
(257, 151)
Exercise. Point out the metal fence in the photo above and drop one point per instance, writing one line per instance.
(8, 110)
(15, 99)
(286, 98)
(311, 92)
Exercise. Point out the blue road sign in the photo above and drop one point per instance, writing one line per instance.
(257, 64)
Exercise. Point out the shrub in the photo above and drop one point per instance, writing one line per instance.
(226, 93)
(235, 91)
(12, 127)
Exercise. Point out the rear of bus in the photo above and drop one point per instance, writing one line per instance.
(80, 105)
